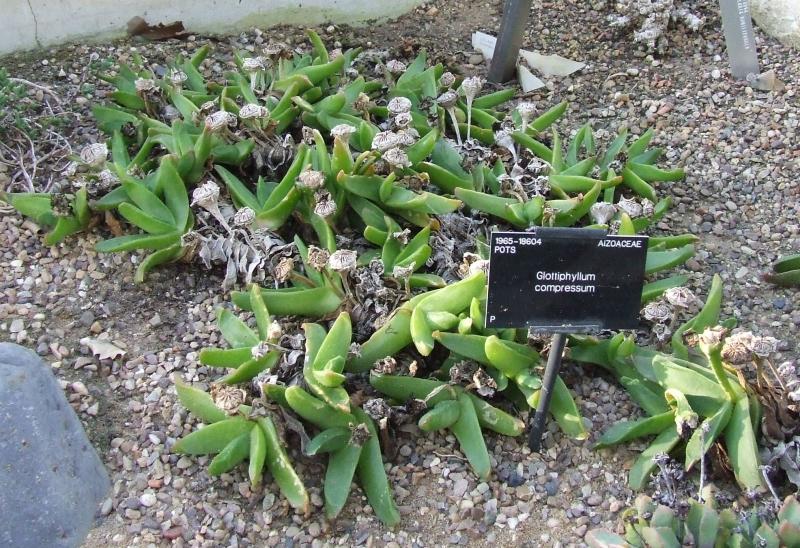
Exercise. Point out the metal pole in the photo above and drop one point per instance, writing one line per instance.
(549, 381)
(512, 30)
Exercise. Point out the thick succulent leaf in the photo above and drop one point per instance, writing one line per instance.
(234, 330)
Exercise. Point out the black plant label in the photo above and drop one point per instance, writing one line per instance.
(566, 280)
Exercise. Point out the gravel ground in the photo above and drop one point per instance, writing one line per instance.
(741, 195)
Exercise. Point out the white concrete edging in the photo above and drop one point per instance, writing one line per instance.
(27, 24)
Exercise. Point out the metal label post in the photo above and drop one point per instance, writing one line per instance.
(512, 30)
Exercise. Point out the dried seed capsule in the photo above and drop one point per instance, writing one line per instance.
(206, 194)
(177, 77)
(284, 269)
(447, 79)
(325, 205)
(448, 99)
(377, 409)
(713, 336)
(737, 348)
(252, 111)
(260, 350)
(402, 120)
(384, 141)
(681, 297)
(399, 105)
(407, 137)
(395, 67)
(275, 49)
(343, 132)
(317, 257)
(311, 179)
(94, 154)
(602, 212)
(362, 102)
(253, 64)
(219, 120)
(343, 260)
(472, 86)
(244, 217)
(764, 346)
(228, 398)
(144, 84)
(631, 207)
(657, 311)
(396, 158)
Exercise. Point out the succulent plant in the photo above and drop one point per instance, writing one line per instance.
(699, 402)
(233, 435)
(648, 524)
(785, 271)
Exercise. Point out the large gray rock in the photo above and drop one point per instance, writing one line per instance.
(51, 480)
(778, 18)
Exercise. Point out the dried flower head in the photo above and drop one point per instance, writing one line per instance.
(219, 120)
(343, 132)
(396, 158)
(228, 398)
(260, 350)
(387, 366)
(325, 205)
(244, 217)
(311, 179)
(407, 137)
(602, 212)
(206, 195)
(377, 409)
(361, 104)
(631, 207)
(402, 272)
(343, 260)
(764, 346)
(274, 331)
(662, 332)
(275, 49)
(485, 385)
(253, 64)
(648, 208)
(317, 257)
(402, 120)
(447, 79)
(177, 77)
(399, 105)
(384, 141)
(108, 178)
(359, 434)
(680, 297)
(284, 268)
(448, 99)
(144, 85)
(402, 235)
(526, 112)
(94, 154)
(657, 311)
(395, 67)
(712, 336)
(251, 111)
(472, 86)
(208, 106)
(736, 350)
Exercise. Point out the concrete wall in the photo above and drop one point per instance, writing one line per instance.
(27, 24)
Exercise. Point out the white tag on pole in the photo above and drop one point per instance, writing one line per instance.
(740, 38)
